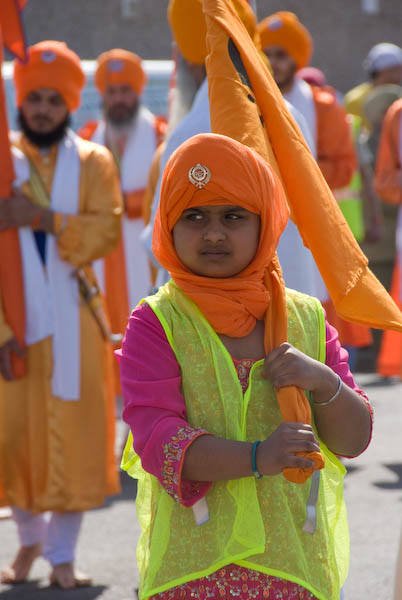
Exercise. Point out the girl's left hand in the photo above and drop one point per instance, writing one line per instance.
(286, 366)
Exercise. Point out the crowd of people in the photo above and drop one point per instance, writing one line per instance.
(153, 257)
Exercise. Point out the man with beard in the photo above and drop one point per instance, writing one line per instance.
(132, 133)
(57, 420)
(288, 46)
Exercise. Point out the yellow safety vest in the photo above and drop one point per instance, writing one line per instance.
(254, 523)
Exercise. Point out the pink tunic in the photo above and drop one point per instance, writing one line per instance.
(155, 410)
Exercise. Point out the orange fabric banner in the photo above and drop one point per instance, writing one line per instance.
(247, 105)
(12, 28)
(11, 281)
(235, 113)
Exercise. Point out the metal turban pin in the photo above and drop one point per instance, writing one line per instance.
(199, 175)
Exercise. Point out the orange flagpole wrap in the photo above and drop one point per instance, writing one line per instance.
(246, 104)
(11, 281)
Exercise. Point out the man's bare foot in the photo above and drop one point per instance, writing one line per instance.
(18, 571)
(67, 577)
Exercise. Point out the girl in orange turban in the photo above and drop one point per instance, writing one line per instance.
(224, 318)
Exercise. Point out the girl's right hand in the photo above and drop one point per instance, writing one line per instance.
(279, 450)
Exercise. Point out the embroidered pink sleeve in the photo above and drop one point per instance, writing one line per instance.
(154, 406)
(337, 359)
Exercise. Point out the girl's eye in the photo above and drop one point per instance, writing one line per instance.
(193, 216)
(233, 216)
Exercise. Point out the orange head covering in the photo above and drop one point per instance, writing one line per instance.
(238, 174)
(121, 67)
(50, 65)
(284, 29)
(189, 30)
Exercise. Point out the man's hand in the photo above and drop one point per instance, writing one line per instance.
(5, 358)
(16, 211)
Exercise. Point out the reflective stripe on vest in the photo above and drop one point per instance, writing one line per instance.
(254, 523)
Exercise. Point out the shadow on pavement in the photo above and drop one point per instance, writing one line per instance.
(396, 469)
(32, 590)
(128, 491)
(376, 381)
(351, 468)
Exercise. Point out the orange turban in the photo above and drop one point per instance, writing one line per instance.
(284, 29)
(121, 67)
(240, 176)
(50, 65)
(189, 30)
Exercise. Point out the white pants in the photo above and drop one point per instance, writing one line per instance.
(58, 532)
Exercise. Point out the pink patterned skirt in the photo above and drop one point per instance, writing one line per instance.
(238, 582)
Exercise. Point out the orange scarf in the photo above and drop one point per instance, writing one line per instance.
(239, 176)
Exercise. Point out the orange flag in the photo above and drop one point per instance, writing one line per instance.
(247, 105)
(11, 282)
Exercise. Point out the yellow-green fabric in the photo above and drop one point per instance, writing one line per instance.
(349, 197)
(354, 99)
(254, 523)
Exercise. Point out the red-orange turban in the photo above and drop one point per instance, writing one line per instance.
(189, 30)
(51, 65)
(284, 29)
(119, 66)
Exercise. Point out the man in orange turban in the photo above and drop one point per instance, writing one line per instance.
(132, 133)
(66, 208)
(288, 45)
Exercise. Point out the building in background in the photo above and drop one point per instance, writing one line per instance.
(343, 30)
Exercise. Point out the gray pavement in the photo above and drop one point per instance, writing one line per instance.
(373, 493)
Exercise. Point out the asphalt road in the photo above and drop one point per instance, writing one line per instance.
(373, 491)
